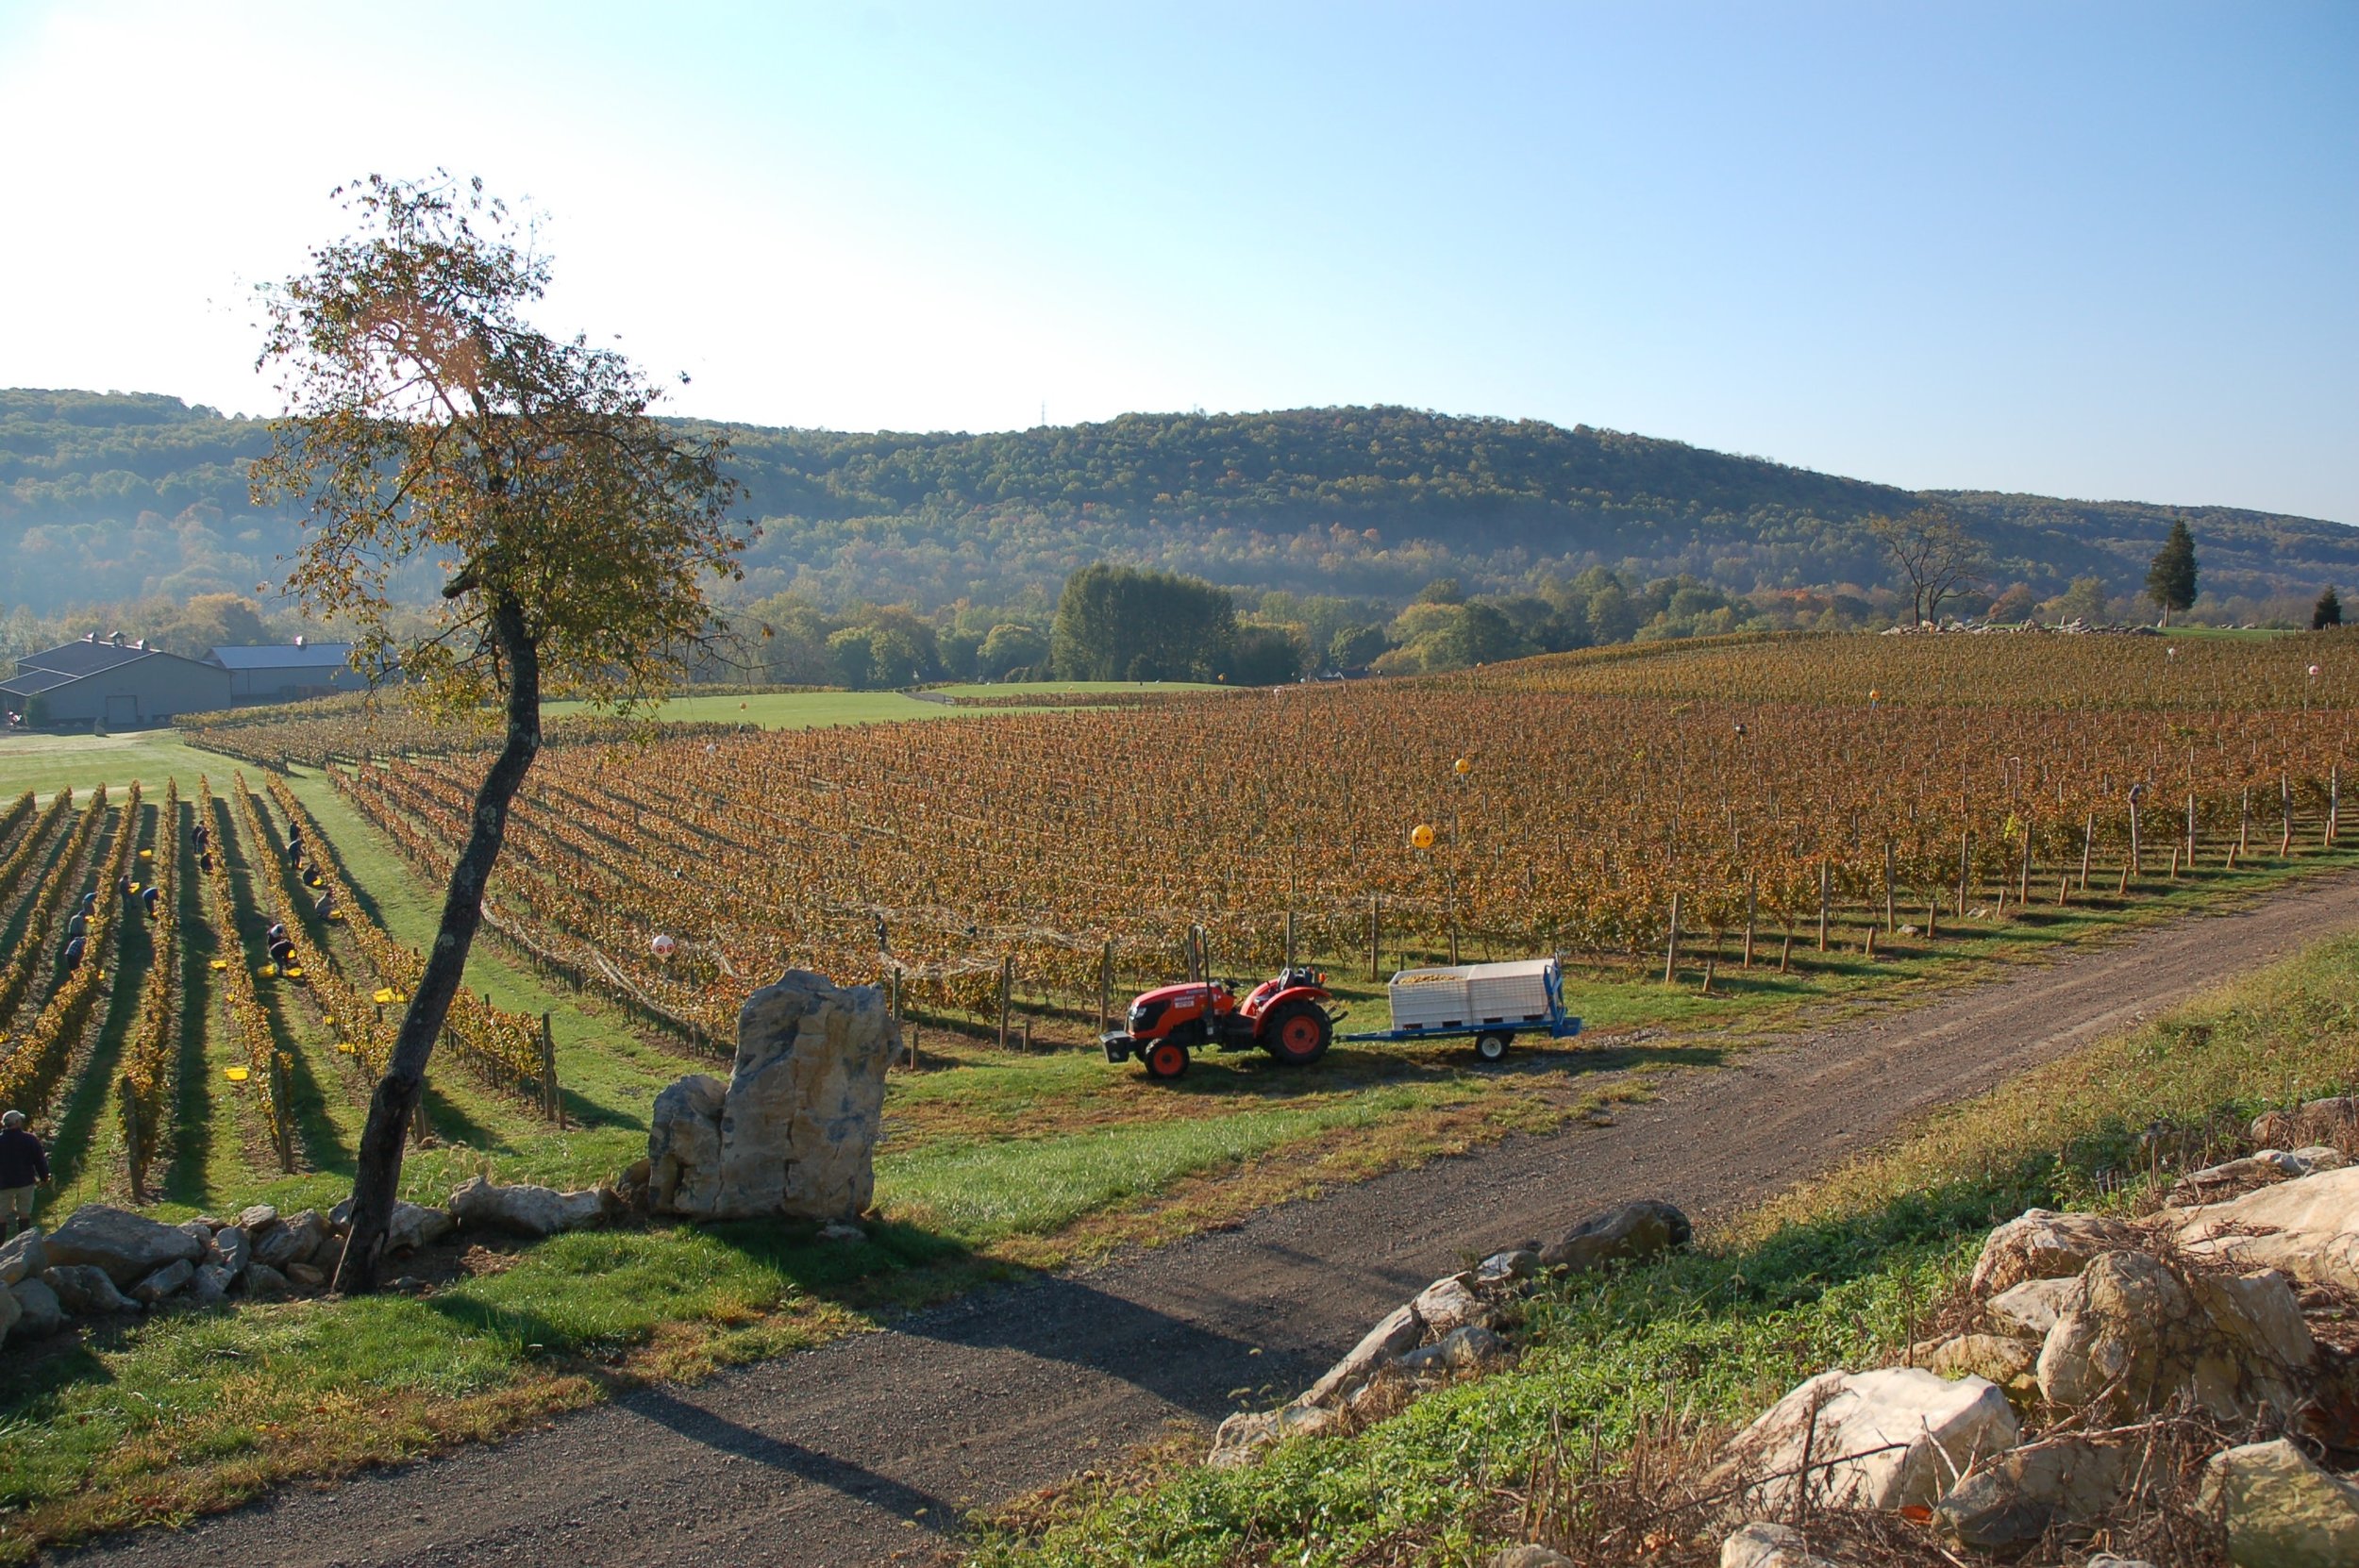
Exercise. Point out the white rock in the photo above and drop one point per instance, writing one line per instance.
(2029, 1310)
(2126, 1337)
(1446, 1305)
(1502, 1267)
(2235, 1177)
(2259, 1348)
(1389, 1340)
(23, 1257)
(257, 1218)
(296, 1239)
(129, 1246)
(1528, 1557)
(1765, 1546)
(412, 1226)
(230, 1248)
(2041, 1243)
(794, 1132)
(1467, 1348)
(39, 1311)
(2280, 1510)
(1243, 1437)
(2308, 1229)
(522, 1210)
(1882, 1440)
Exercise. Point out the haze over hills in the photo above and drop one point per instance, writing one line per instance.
(109, 497)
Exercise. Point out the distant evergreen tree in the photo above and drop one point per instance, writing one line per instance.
(2170, 580)
(2329, 611)
(1120, 623)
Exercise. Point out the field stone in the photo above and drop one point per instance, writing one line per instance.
(1528, 1557)
(525, 1211)
(211, 1285)
(2308, 1229)
(230, 1248)
(129, 1246)
(1446, 1305)
(257, 1218)
(300, 1274)
(1468, 1349)
(24, 1258)
(2320, 1157)
(39, 1308)
(793, 1133)
(294, 1240)
(1768, 1545)
(199, 1231)
(2126, 1338)
(2041, 1243)
(411, 1226)
(1391, 1339)
(164, 1281)
(1900, 1434)
(10, 1312)
(2280, 1510)
(1501, 1268)
(1626, 1232)
(2029, 1310)
(264, 1284)
(1994, 1356)
(2233, 1178)
(2063, 1484)
(2259, 1350)
(85, 1291)
(1241, 1438)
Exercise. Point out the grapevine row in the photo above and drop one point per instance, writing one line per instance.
(30, 1072)
(25, 965)
(249, 1025)
(150, 1085)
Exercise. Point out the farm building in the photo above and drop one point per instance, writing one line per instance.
(114, 681)
(286, 671)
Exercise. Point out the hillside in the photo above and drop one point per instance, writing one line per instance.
(106, 496)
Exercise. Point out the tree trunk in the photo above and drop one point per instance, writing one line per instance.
(377, 1176)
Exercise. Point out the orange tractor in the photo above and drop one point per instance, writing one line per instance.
(1286, 1015)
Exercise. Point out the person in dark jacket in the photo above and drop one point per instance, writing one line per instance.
(73, 953)
(149, 896)
(23, 1164)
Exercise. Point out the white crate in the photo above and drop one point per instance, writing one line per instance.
(1469, 995)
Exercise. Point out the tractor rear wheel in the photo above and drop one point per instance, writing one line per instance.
(1166, 1059)
(1297, 1034)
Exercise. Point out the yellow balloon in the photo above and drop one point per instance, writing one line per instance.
(1465, 764)
(1421, 836)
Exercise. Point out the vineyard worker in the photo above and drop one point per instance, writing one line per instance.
(148, 896)
(202, 837)
(23, 1163)
(74, 954)
(326, 902)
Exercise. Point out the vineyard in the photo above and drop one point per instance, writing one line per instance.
(1603, 805)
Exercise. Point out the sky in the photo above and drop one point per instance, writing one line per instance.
(2097, 250)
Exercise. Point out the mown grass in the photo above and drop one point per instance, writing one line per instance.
(1836, 1273)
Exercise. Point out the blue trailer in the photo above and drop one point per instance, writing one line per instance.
(1488, 1003)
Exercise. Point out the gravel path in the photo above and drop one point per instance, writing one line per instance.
(873, 1447)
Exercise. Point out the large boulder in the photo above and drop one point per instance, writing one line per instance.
(85, 1291)
(164, 1282)
(483, 1205)
(129, 1246)
(2235, 1177)
(2257, 1350)
(1626, 1232)
(2334, 1123)
(411, 1226)
(1243, 1437)
(1446, 1305)
(39, 1311)
(24, 1258)
(1395, 1337)
(794, 1130)
(2308, 1229)
(2125, 1339)
(1765, 1546)
(2041, 1243)
(1876, 1439)
(2029, 1310)
(2280, 1510)
(2060, 1484)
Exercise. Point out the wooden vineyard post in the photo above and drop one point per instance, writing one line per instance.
(2244, 821)
(552, 1101)
(2064, 891)
(1027, 1036)
(1105, 985)
(2137, 864)
(2334, 803)
(2190, 855)
(1671, 950)
(1932, 917)
(1965, 856)
(1007, 988)
(2285, 808)
(2023, 883)
(1290, 939)
(1376, 931)
(1708, 977)
(1891, 918)
(285, 1125)
(2088, 847)
(1751, 893)
(1823, 878)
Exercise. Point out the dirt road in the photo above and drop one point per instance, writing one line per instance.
(875, 1446)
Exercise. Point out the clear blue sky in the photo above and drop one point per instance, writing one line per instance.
(2091, 249)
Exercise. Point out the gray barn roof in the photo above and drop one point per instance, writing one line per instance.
(281, 656)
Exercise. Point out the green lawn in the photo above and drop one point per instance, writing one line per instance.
(47, 763)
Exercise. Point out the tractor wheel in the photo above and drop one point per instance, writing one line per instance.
(1297, 1034)
(1166, 1059)
(1493, 1047)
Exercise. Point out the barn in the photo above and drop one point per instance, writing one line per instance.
(286, 671)
(112, 680)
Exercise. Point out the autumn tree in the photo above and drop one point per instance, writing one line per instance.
(425, 419)
(1936, 555)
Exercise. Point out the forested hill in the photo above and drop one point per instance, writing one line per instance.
(106, 496)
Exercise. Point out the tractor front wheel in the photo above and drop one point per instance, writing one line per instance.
(1297, 1034)
(1166, 1059)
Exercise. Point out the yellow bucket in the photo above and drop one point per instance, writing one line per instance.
(235, 1074)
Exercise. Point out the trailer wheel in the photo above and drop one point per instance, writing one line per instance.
(1166, 1059)
(1297, 1034)
(1493, 1046)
